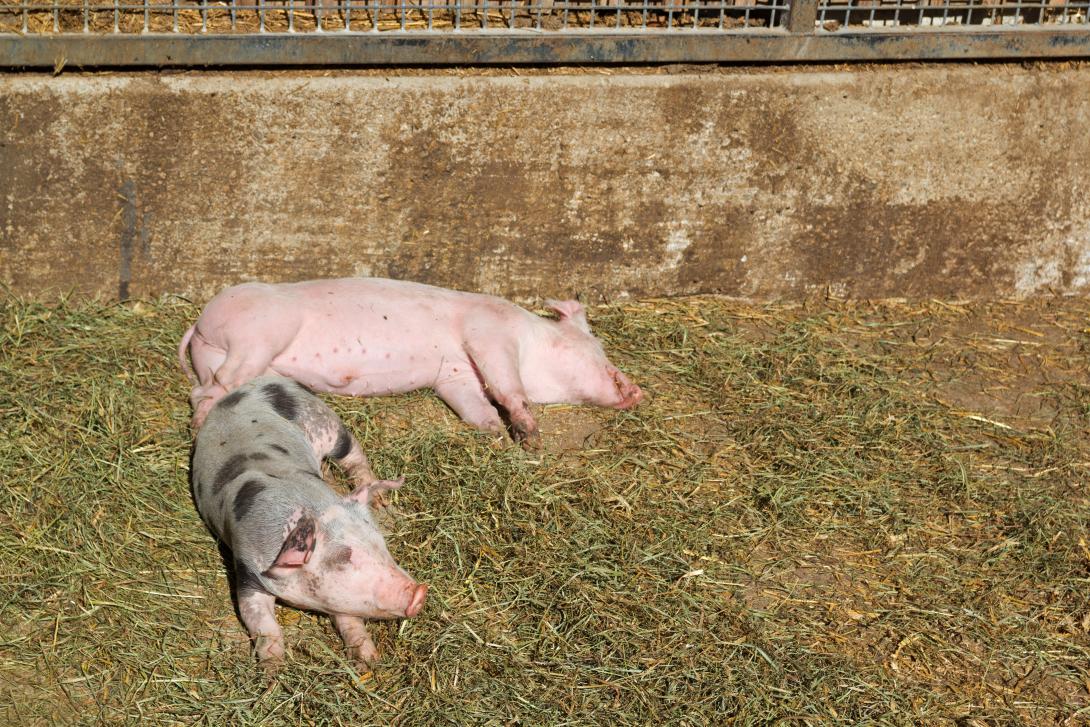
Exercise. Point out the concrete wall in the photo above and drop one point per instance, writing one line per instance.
(952, 180)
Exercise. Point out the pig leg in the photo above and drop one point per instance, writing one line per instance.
(257, 607)
(467, 399)
(498, 367)
(325, 432)
(354, 461)
(241, 356)
(239, 366)
(357, 639)
(242, 364)
(206, 361)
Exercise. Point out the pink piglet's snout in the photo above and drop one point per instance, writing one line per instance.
(416, 600)
(630, 393)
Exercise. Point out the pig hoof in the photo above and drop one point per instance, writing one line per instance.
(363, 480)
(365, 657)
(269, 651)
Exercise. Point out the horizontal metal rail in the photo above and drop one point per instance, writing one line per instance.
(156, 33)
(482, 47)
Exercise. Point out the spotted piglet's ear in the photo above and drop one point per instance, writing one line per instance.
(569, 310)
(298, 546)
(365, 493)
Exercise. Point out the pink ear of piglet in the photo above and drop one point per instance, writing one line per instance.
(567, 309)
(364, 493)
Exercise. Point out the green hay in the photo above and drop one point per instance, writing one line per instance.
(828, 512)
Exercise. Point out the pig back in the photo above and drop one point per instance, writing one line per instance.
(252, 472)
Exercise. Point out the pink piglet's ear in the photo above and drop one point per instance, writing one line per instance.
(569, 310)
(364, 493)
(298, 545)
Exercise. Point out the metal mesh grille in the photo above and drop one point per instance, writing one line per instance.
(834, 14)
(268, 16)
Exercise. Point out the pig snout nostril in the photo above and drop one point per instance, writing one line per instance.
(631, 395)
(416, 600)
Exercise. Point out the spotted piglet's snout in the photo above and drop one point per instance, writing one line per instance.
(399, 597)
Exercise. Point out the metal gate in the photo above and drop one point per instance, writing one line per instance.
(111, 33)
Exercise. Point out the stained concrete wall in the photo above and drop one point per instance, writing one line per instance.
(953, 180)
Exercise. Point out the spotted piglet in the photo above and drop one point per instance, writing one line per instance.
(257, 483)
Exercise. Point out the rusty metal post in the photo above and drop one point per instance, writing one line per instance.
(801, 16)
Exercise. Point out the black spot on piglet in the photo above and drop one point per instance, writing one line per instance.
(338, 559)
(246, 580)
(258, 457)
(282, 401)
(232, 399)
(278, 448)
(231, 469)
(343, 445)
(244, 498)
